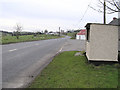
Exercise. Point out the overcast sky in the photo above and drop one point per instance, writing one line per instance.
(38, 15)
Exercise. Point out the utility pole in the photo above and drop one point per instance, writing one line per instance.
(119, 10)
(59, 31)
(104, 11)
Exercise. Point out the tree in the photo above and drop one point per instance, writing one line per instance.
(51, 32)
(77, 30)
(18, 28)
(46, 31)
(112, 6)
(107, 6)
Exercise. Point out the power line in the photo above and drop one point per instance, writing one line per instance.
(85, 12)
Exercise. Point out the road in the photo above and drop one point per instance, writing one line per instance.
(21, 62)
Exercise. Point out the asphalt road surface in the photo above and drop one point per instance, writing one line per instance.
(21, 62)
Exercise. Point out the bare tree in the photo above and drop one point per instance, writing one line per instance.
(18, 28)
(107, 6)
(112, 6)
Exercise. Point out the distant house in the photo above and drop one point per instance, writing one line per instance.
(116, 21)
(101, 42)
(81, 35)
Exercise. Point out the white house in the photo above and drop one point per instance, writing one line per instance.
(81, 35)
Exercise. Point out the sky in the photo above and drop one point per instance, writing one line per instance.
(39, 15)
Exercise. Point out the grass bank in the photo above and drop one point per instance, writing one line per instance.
(72, 35)
(12, 39)
(69, 71)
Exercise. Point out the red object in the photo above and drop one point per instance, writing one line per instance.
(82, 32)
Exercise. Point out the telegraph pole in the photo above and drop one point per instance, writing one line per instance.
(104, 12)
(119, 11)
(59, 31)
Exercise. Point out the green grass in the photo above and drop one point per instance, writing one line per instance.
(73, 35)
(69, 71)
(12, 39)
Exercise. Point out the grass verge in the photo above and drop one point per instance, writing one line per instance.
(73, 35)
(12, 39)
(69, 71)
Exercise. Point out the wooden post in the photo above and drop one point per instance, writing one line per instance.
(59, 31)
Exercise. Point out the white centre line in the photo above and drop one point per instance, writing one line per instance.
(12, 50)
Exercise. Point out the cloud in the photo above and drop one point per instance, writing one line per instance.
(48, 14)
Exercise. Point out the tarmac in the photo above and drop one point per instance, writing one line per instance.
(73, 45)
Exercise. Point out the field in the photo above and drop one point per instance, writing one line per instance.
(69, 71)
(12, 39)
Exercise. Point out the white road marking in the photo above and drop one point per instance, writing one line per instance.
(12, 50)
(60, 49)
(21, 48)
(36, 44)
